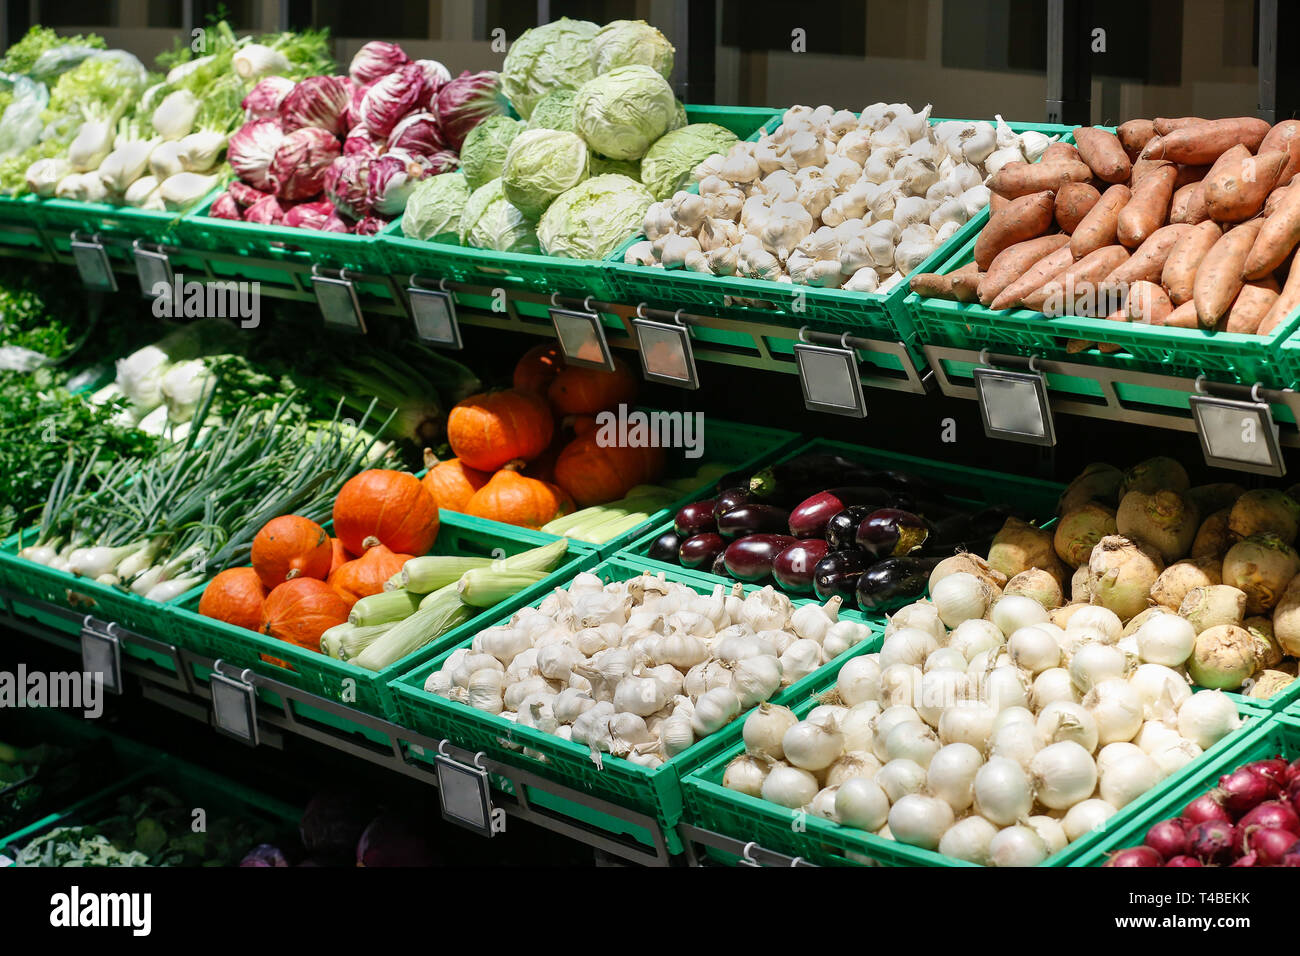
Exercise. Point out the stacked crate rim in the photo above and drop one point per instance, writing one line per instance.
(713, 807)
(875, 315)
(60, 218)
(656, 793)
(20, 225)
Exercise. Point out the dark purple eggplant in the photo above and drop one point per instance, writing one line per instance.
(793, 567)
(700, 549)
(695, 518)
(750, 558)
(729, 500)
(966, 526)
(891, 533)
(809, 518)
(842, 529)
(664, 547)
(837, 573)
(754, 519)
(779, 482)
(720, 565)
(893, 582)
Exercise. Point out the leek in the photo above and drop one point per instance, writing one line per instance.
(439, 612)
(431, 572)
(384, 608)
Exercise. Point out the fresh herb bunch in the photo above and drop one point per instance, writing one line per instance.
(22, 56)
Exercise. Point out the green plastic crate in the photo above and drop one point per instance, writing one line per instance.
(119, 226)
(20, 225)
(711, 806)
(656, 793)
(1269, 737)
(344, 683)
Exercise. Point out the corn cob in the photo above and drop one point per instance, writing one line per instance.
(384, 608)
(427, 574)
(439, 613)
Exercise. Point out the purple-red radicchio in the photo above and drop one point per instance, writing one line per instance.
(465, 102)
(391, 98)
(299, 167)
(346, 185)
(225, 207)
(417, 133)
(309, 215)
(267, 211)
(318, 101)
(376, 59)
(251, 149)
(264, 99)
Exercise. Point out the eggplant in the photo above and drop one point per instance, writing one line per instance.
(695, 518)
(842, 529)
(753, 519)
(729, 500)
(778, 482)
(664, 547)
(902, 481)
(837, 573)
(793, 568)
(894, 582)
(890, 532)
(699, 550)
(720, 565)
(810, 517)
(967, 526)
(750, 558)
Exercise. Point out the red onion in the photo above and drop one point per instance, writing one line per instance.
(1243, 790)
(1212, 841)
(1293, 771)
(1272, 813)
(1135, 856)
(1248, 860)
(1292, 857)
(1274, 770)
(1269, 844)
(1168, 838)
(1184, 861)
(1204, 809)
(1293, 794)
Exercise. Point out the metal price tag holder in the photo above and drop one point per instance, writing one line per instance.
(152, 268)
(464, 792)
(101, 652)
(1237, 433)
(92, 263)
(666, 353)
(338, 302)
(234, 705)
(1014, 405)
(581, 335)
(434, 312)
(829, 377)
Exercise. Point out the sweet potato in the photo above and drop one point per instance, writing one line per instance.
(1107, 348)
(1206, 142)
(1277, 237)
(965, 283)
(1182, 198)
(1190, 174)
(1285, 136)
(1286, 304)
(1148, 209)
(1164, 125)
(1135, 134)
(1076, 290)
(1060, 152)
(1148, 260)
(936, 285)
(1274, 200)
(997, 203)
(1218, 277)
(1041, 272)
(1024, 218)
(1237, 191)
(1014, 261)
(1098, 227)
(1179, 272)
(1073, 202)
(1021, 179)
(1142, 166)
(1104, 154)
(1147, 302)
(1183, 317)
(1251, 305)
(1198, 210)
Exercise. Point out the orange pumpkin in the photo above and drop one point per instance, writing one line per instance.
(235, 596)
(451, 483)
(301, 610)
(537, 368)
(594, 475)
(487, 430)
(385, 507)
(339, 555)
(291, 546)
(367, 574)
(515, 499)
(585, 391)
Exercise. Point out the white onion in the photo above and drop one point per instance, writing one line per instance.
(886, 722)
(1064, 773)
(1207, 717)
(912, 741)
(745, 774)
(960, 597)
(861, 803)
(900, 684)
(822, 712)
(854, 763)
(1112, 753)
(1066, 720)
(823, 804)
(765, 727)
(1033, 649)
(1006, 687)
(1166, 639)
(1117, 707)
(909, 645)
(1018, 742)
(1128, 778)
(1013, 715)
(922, 615)
(1011, 612)
(945, 658)
(968, 839)
(1050, 686)
(918, 820)
(951, 775)
(1172, 759)
(1002, 791)
(975, 637)
(1156, 735)
(809, 745)
(1093, 663)
(859, 680)
(1051, 832)
(1162, 689)
(1085, 817)
(1017, 846)
(898, 778)
(858, 725)
(1099, 618)
(970, 722)
(940, 690)
(789, 786)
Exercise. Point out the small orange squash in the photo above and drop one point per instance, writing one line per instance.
(593, 474)
(586, 391)
(537, 368)
(515, 499)
(451, 483)
(487, 430)
(339, 555)
(367, 574)
(385, 507)
(301, 610)
(235, 596)
(291, 546)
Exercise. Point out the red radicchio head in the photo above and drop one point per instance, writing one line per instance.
(335, 224)
(298, 169)
(245, 194)
(392, 177)
(370, 226)
(318, 101)
(443, 161)
(264, 99)
(376, 59)
(267, 211)
(391, 98)
(435, 77)
(251, 149)
(356, 94)
(417, 133)
(225, 207)
(359, 141)
(309, 215)
(466, 101)
(346, 185)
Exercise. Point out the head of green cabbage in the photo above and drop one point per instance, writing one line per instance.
(594, 218)
(541, 164)
(668, 163)
(627, 42)
(484, 153)
(490, 221)
(434, 208)
(620, 113)
(554, 111)
(546, 58)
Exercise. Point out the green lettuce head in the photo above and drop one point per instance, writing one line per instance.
(550, 57)
(631, 42)
(679, 117)
(484, 152)
(620, 113)
(600, 165)
(554, 111)
(668, 163)
(541, 164)
(489, 221)
(434, 208)
(594, 218)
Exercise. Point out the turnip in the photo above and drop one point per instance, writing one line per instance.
(1165, 520)
(1267, 653)
(1286, 619)
(1181, 576)
(1135, 623)
(1098, 482)
(1261, 566)
(1215, 497)
(1213, 537)
(972, 564)
(1079, 584)
(1269, 682)
(1121, 573)
(1020, 546)
(1039, 585)
(1265, 509)
(1208, 607)
(1079, 530)
(1223, 657)
(1155, 474)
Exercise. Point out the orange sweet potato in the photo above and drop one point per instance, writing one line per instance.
(1073, 202)
(1098, 228)
(1179, 273)
(1251, 305)
(1277, 237)
(1148, 260)
(1147, 302)
(1285, 305)
(1014, 261)
(1041, 272)
(1134, 135)
(1206, 142)
(1024, 218)
(1148, 209)
(1104, 154)
(1218, 277)
(1060, 152)
(1021, 179)
(1076, 290)
(1164, 125)
(1239, 189)
(1183, 317)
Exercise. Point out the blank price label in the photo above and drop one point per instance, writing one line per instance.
(1238, 435)
(234, 708)
(435, 317)
(830, 380)
(1014, 406)
(339, 304)
(102, 654)
(666, 353)
(93, 266)
(465, 795)
(582, 338)
(153, 269)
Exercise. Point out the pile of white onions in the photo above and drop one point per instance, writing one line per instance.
(642, 668)
(998, 741)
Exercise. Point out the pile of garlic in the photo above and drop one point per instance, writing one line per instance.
(984, 731)
(831, 199)
(642, 668)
